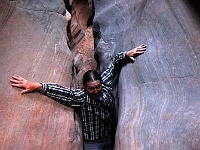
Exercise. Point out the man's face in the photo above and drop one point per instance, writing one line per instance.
(94, 89)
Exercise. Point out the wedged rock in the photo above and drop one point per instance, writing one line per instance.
(33, 44)
(159, 105)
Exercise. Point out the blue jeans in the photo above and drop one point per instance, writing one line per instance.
(102, 144)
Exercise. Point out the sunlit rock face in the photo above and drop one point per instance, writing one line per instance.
(159, 105)
(35, 43)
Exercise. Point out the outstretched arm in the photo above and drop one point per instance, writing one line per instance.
(29, 86)
(63, 95)
(110, 73)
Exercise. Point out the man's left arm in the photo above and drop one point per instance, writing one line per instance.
(110, 73)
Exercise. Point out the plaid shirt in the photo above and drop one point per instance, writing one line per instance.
(94, 114)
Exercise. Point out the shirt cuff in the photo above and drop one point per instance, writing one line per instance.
(43, 87)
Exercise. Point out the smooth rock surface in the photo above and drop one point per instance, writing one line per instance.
(159, 98)
(33, 44)
(157, 103)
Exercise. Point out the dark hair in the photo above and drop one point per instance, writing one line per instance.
(90, 75)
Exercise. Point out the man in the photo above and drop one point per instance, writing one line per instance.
(93, 103)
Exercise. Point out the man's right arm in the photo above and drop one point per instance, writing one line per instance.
(63, 95)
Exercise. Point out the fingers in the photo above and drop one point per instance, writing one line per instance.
(132, 54)
(19, 78)
(25, 91)
(142, 45)
(18, 85)
(16, 81)
(141, 48)
(139, 52)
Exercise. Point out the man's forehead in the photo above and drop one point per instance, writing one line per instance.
(94, 83)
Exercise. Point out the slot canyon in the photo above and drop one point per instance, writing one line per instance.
(157, 98)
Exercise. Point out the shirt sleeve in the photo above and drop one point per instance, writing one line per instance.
(63, 95)
(113, 69)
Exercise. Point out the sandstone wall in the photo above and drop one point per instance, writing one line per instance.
(35, 43)
(157, 101)
(159, 94)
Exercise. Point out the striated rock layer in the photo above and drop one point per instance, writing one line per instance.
(159, 105)
(35, 43)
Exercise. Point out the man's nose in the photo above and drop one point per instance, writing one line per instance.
(95, 90)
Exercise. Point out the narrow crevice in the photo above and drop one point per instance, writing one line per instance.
(194, 5)
(83, 33)
(82, 18)
(80, 37)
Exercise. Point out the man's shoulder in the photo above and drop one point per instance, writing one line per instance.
(79, 92)
(106, 88)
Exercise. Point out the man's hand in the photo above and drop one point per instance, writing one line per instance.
(133, 53)
(28, 86)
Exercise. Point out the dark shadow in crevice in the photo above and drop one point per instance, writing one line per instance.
(97, 36)
(82, 17)
(90, 20)
(194, 5)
